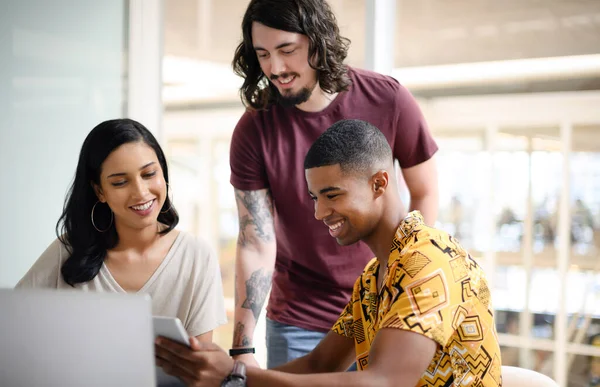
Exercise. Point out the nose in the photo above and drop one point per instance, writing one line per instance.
(321, 210)
(277, 65)
(140, 188)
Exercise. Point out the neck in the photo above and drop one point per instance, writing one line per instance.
(318, 100)
(380, 240)
(136, 239)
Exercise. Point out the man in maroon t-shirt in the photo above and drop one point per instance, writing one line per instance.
(295, 87)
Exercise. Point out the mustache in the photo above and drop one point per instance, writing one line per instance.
(274, 77)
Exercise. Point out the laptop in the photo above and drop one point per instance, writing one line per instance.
(73, 339)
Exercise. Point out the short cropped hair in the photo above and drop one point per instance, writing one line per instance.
(357, 146)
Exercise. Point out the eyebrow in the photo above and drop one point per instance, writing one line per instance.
(325, 190)
(282, 45)
(329, 189)
(123, 173)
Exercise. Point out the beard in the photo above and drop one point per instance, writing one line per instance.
(291, 99)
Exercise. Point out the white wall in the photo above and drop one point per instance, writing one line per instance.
(62, 71)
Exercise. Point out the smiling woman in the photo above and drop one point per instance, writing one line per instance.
(108, 182)
(132, 184)
(117, 233)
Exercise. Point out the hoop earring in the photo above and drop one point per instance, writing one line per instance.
(170, 200)
(94, 224)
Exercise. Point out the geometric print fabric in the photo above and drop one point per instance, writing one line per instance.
(432, 287)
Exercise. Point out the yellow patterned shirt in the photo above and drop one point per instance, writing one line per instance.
(432, 287)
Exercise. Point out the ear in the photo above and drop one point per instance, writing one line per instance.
(314, 60)
(380, 181)
(98, 191)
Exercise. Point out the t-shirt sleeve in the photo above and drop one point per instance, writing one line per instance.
(344, 325)
(431, 302)
(413, 143)
(45, 272)
(246, 159)
(207, 310)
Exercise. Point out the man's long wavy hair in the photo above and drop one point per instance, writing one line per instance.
(327, 48)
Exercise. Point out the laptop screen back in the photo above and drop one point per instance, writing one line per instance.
(74, 338)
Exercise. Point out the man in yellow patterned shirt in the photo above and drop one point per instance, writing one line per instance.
(420, 313)
(432, 287)
(422, 281)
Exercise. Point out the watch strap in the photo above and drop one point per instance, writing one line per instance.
(237, 377)
(241, 351)
(239, 370)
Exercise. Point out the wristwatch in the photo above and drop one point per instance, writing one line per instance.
(237, 377)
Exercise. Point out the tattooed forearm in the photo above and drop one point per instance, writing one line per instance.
(257, 222)
(257, 288)
(239, 338)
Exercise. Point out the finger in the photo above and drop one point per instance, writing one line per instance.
(163, 353)
(170, 345)
(163, 363)
(166, 346)
(195, 344)
(177, 369)
(191, 366)
(185, 355)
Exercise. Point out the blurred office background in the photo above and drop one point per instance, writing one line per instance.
(511, 90)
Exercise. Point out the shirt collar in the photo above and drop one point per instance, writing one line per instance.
(409, 224)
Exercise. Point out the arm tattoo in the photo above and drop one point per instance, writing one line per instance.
(257, 288)
(239, 338)
(258, 223)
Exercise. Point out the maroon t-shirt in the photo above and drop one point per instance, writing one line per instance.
(314, 276)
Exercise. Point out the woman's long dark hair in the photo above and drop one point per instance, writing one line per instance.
(313, 18)
(86, 245)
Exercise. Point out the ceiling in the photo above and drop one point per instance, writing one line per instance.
(432, 32)
(428, 33)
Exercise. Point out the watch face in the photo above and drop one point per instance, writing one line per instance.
(234, 382)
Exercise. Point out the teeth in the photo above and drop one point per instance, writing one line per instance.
(143, 207)
(334, 227)
(286, 80)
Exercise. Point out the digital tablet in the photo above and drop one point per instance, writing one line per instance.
(171, 328)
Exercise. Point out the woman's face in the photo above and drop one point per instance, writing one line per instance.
(133, 186)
